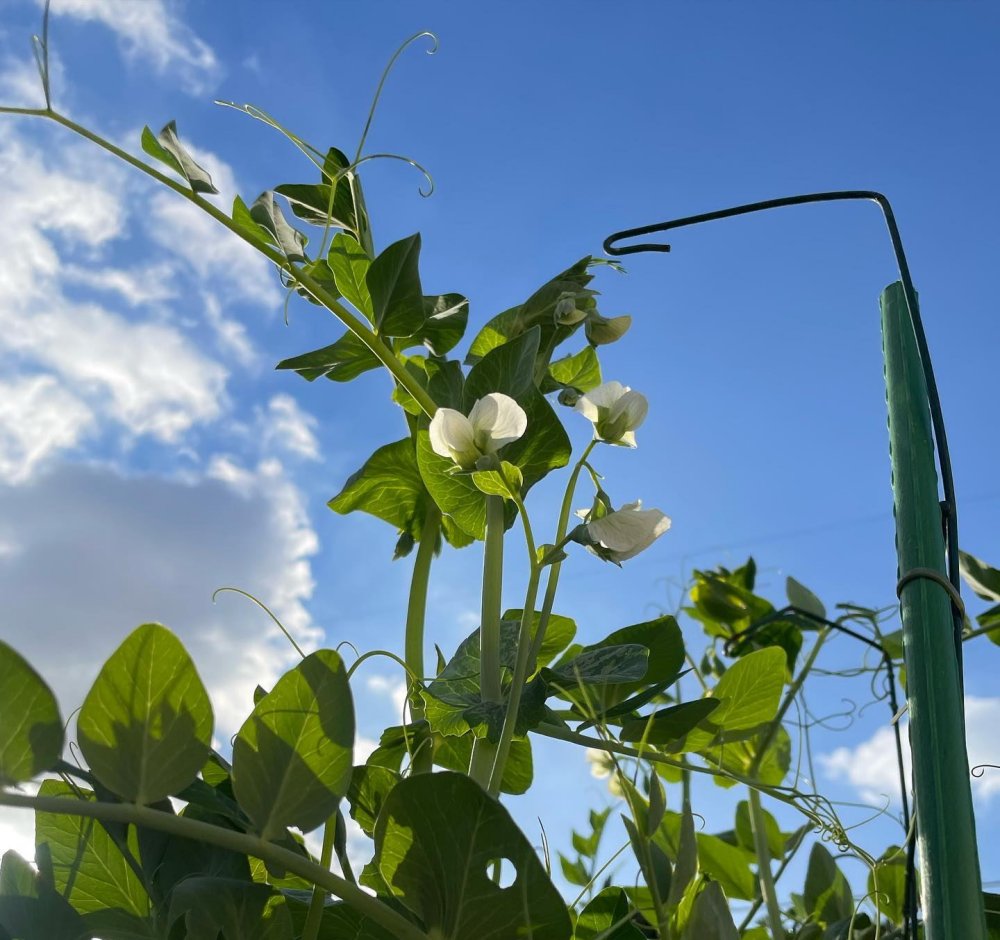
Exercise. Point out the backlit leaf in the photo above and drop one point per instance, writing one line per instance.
(167, 148)
(350, 263)
(394, 285)
(341, 361)
(146, 725)
(31, 730)
(435, 842)
(292, 758)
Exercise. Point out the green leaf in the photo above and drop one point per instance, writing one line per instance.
(653, 861)
(776, 839)
(146, 725)
(887, 884)
(341, 361)
(558, 634)
(30, 910)
(600, 666)
(167, 148)
(321, 276)
(509, 369)
(685, 859)
(827, 896)
(90, 871)
(268, 215)
(388, 487)
(350, 263)
(573, 871)
(982, 578)
(31, 730)
(454, 753)
(394, 284)
(311, 202)
(710, 917)
(800, 596)
(370, 785)
(991, 904)
(750, 693)
(435, 842)
(246, 223)
(581, 371)
(727, 864)
(339, 922)
(292, 758)
(349, 202)
(455, 493)
(669, 724)
(241, 910)
(446, 318)
(505, 482)
(606, 910)
(662, 637)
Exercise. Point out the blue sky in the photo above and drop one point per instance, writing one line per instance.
(148, 454)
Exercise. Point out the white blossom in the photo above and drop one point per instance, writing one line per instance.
(615, 410)
(622, 534)
(494, 421)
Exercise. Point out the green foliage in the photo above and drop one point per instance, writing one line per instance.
(292, 757)
(436, 838)
(31, 733)
(167, 148)
(146, 725)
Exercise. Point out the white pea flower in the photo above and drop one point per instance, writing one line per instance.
(494, 421)
(622, 534)
(601, 764)
(615, 410)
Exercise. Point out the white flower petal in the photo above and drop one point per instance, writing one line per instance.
(452, 435)
(604, 396)
(497, 420)
(633, 406)
(630, 530)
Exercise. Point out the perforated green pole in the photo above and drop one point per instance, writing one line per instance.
(951, 890)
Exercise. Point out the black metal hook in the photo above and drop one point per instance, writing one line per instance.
(949, 507)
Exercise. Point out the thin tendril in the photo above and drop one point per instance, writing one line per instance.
(382, 80)
(40, 47)
(266, 609)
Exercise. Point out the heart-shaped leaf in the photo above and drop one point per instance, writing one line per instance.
(146, 725)
(292, 758)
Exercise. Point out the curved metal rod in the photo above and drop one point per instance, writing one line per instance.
(949, 508)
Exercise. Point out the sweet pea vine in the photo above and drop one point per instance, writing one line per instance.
(155, 830)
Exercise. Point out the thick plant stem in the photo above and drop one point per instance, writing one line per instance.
(423, 760)
(484, 752)
(767, 890)
(378, 347)
(241, 842)
(315, 915)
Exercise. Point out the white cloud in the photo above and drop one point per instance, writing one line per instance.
(38, 419)
(215, 255)
(871, 765)
(138, 287)
(287, 427)
(392, 689)
(151, 33)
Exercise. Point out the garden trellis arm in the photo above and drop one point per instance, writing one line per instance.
(951, 885)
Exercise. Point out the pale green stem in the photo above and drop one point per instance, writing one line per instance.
(423, 761)
(552, 584)
(381, 351)
(764, 876)
(315, 916)
(980, 631)
(241, 842)
(483, 751)
(789, 855)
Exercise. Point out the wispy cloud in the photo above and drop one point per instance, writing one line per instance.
(151, 32)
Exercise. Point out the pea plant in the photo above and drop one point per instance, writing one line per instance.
(151, 832)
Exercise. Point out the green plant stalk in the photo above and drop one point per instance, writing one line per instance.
(785, 862)
(380, 349)
(764, 875)
(981, 631)
(315, 915)
(484, 751)
(244, 843)
(416, 611)
(524, 639)
(552, 583)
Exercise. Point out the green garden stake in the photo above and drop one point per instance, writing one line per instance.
(949, 863)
